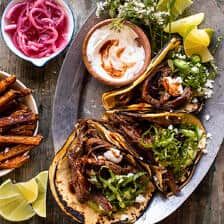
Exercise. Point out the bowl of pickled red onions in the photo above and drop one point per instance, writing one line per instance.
(37, 30)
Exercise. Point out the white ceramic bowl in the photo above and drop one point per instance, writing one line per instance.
(29, 101)
(39, 62)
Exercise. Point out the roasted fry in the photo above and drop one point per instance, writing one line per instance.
(25, 140)
(8, 97)
(17, 125)
(18, 117)
(3, 131)
(12, 95)
(25, 92)
(18, 112)
(8, 108)
(22, 106)
(25, 130)
(14, 162)
(15, 151)
(6, 83)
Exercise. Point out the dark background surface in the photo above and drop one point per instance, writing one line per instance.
(206, 205)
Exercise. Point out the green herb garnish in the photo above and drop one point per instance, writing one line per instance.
(117, 24)
(120, 190)
(193, 72)
(174, 148)
(140, 12)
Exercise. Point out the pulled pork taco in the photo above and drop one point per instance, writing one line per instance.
(171, 143)
(169, 84)
(98, 178)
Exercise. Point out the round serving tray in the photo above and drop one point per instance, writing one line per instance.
(79, 95)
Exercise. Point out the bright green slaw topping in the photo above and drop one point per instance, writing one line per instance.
(174, 148)
(120, 190)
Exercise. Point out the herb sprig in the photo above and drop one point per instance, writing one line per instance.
(141, 12)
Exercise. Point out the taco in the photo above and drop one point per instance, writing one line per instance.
(167, 85)
(98, 178)
(171, 143)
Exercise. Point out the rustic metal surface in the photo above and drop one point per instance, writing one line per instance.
(79, 95)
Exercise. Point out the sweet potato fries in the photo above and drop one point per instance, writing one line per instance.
(17, 125)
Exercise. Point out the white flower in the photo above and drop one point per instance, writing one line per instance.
(100, 8)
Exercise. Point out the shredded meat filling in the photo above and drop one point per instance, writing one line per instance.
(154, 91)
(127, 126)
(86, 154)
(103, 202)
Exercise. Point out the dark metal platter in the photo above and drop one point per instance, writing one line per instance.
(79, 95)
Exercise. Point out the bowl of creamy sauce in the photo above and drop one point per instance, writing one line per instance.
(116, 57)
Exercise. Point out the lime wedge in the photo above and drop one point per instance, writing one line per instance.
(7, 189)
(13, 206)
(39, 205)
(177, 7)
(197, 42)
(185, 25)
(210, 32)
(29, 190)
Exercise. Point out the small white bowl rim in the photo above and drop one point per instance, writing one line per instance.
(18, 83)
(39, 62)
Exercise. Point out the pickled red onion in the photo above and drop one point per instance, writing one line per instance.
(37, 27)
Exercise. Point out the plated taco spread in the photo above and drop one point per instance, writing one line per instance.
(108, 170)
(148, 140)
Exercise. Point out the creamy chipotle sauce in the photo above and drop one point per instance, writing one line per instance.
(115, 54)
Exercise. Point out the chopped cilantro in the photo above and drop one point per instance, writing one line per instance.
(121, 190)
(174, 148)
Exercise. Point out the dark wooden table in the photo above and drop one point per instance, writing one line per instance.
(205, 206)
